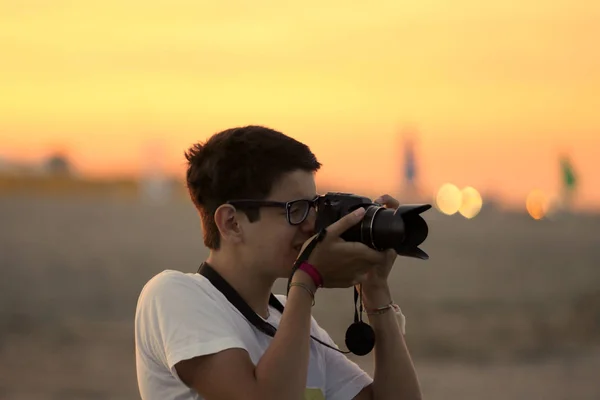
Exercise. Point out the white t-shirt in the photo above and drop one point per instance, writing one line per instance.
(180, 316)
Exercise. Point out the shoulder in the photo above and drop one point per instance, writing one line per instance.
(167, 279)
(176, 283)
(171, 294)
(175, 304)
(180, 316)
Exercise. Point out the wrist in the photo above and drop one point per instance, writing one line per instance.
(304, 278)
(376, 296)
(311, 271)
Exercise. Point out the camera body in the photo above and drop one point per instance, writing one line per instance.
(334, 205)
(402, 229)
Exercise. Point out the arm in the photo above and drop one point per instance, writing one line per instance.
(395, 376)
(281, 372)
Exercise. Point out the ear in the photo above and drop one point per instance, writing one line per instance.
(228, 223)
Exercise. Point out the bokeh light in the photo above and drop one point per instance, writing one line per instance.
(471, 202)
(448, 199)
(537, 204)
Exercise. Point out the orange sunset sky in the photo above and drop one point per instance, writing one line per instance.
(496, 89)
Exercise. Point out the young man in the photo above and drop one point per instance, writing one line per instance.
(192, 343)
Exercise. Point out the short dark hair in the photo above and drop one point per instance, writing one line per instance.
(240, 163)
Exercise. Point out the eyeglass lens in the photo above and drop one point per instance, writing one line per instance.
(298, 210)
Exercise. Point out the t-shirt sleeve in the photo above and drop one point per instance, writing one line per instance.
(179, 319)
(344, 379)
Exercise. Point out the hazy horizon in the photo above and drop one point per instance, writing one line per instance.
(497, 90)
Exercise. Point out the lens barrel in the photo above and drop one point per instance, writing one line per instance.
(402, 230)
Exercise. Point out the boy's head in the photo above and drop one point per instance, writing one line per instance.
(259, 164)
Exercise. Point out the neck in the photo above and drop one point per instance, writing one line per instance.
(253, 287)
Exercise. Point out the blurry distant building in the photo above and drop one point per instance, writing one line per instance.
(156, 186)
(20, 168)
(410, 168)
(410, 190)
(58, 165)
(55, 175)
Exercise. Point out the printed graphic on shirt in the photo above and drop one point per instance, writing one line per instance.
(313, 394)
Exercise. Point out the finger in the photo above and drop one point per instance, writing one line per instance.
(365, 253)
(388, 201)
(344, 223)
(377, 258)
(307, 243)
(369, 255)
(390, 255)
(358, 279)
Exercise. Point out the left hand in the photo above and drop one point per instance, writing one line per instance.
(376, 278)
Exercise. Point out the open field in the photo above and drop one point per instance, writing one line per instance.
(506, 308)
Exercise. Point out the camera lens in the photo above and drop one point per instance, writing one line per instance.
(366, 227)
(402, 229)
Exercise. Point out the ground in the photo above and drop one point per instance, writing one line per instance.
(506, 308)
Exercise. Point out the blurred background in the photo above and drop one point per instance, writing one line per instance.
(488, 110)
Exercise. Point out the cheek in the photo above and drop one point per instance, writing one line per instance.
(272, 240)
(277, 246)
(280, 240)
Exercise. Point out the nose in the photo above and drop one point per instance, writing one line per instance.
(308, 225)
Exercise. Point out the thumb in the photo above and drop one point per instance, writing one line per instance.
(391, 255)
(345, 223)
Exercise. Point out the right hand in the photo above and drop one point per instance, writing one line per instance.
(343, 264)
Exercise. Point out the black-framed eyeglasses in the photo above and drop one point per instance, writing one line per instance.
(296, 211)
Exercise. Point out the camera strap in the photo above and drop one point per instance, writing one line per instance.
(305, 254)
(238, 302)
(360, 338)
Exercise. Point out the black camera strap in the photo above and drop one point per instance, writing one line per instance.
(238, 302)
(305, 254)
(360, 337)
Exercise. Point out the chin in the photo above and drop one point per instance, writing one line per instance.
(284, 275)
(287, 265)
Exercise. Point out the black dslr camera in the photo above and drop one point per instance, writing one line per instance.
(402, 229)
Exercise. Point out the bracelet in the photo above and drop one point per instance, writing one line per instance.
(305, 287)
(380, 310)
(313, 273)
(392, 306)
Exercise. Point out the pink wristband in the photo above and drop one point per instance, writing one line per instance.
(312, 272)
